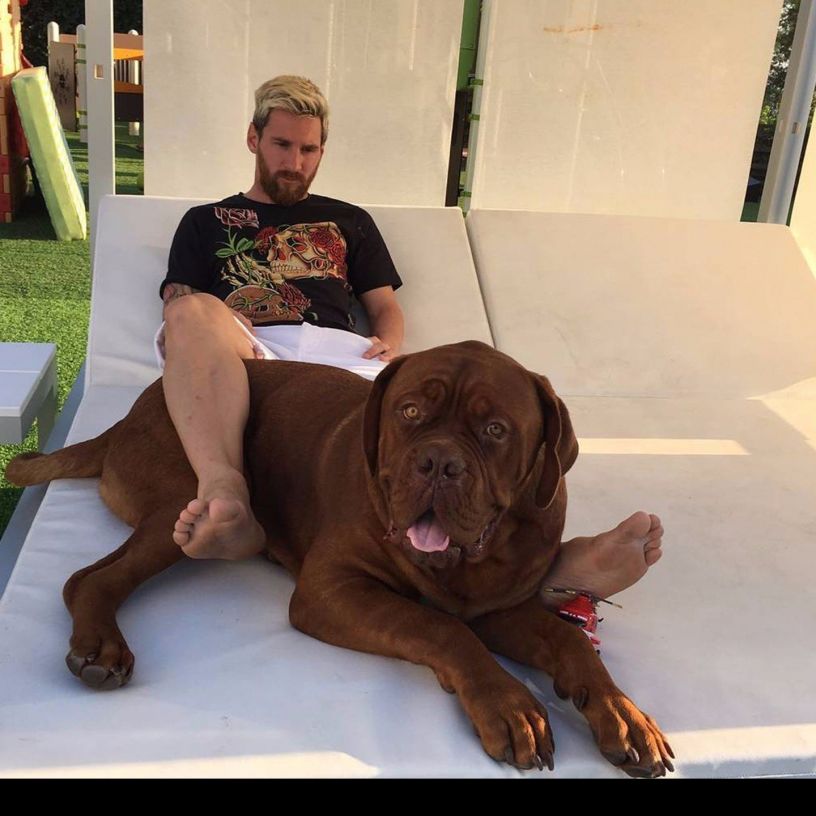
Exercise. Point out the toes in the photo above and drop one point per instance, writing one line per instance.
(637, 525)
(653, 556)
(112, 672)
(181, 539)
(193, 511)
(632, 741)
(196, 507)
(532, 745)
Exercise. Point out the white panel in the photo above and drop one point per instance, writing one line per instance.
(803, 217)
(641, 107)
(388, 69)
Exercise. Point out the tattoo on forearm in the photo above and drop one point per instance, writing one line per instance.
(173, 291)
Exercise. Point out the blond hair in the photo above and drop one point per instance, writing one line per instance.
(295, 94)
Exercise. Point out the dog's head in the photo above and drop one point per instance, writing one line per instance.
(456, 436)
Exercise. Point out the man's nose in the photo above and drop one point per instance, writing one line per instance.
(293, 161)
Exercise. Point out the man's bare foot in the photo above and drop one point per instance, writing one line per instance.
(220, 524)
(609, 562)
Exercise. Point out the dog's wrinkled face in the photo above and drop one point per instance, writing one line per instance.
(453, 436)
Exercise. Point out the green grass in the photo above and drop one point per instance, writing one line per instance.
(45, 286)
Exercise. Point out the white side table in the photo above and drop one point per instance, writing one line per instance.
(28, 389)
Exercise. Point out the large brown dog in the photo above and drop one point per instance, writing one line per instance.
(441, 483)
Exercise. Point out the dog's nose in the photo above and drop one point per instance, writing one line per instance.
(434, 461)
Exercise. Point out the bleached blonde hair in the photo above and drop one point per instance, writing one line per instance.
(295, 94)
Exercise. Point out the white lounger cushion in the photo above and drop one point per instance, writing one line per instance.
(686, 353)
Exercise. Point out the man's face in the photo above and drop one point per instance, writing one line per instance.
(287, 155)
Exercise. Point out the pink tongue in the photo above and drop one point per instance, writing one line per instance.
(427, 535)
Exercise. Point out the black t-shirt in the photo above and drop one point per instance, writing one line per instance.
(282, 265)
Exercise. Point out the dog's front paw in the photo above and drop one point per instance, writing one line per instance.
(511, 723)
(629, 738)
(104, 664)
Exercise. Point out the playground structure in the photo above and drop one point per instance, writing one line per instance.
(66, 70)
(13, 149)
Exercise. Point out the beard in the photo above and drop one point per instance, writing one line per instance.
(283, 187)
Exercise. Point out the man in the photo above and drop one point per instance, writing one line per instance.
(269, 274)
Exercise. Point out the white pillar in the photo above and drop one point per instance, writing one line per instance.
(82, 84)
(99, 55)
(134, 73)
(792, 120)
(52, 33)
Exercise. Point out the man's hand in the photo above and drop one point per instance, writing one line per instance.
(379, 349)
(387, 322)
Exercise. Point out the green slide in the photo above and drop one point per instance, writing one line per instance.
(49, 151)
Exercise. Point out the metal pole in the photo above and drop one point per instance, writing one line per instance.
(134, 68)
(99, 54)
(791, 123)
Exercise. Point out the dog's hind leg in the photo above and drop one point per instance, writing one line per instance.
(99, 654)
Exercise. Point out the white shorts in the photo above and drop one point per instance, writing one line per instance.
(304, 343)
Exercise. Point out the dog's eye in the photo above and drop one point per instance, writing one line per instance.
(495, 430)
(410, 412)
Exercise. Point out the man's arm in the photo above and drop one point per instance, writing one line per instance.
(173, 291)
(387, 323)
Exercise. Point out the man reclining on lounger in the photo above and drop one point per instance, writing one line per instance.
(269, 274)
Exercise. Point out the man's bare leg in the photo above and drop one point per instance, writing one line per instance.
(207, 395)
(609, 562)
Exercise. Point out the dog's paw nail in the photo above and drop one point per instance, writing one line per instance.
(580, 698)
(509, 758)
(633, 755)
(669, 765)
(75, 663)
(94, 676)
(559, 691)
(615, 757)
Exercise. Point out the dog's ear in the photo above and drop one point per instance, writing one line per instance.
(560, 447)
(371, 415)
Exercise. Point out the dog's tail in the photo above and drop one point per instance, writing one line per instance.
(78, 461)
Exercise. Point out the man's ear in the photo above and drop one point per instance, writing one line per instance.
(373, 409)
(252, 138)
(559, 450)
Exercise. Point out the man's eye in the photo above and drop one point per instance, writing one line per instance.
(410, 412)
(496, 430)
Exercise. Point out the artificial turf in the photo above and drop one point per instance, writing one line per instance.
(45, 286)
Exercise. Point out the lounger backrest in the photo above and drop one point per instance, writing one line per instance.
(614, 106)
(388, 69)
(636, 306)
(429, 245)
